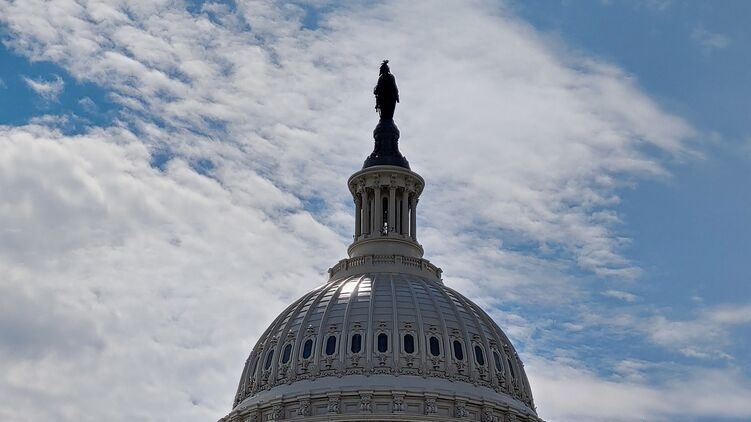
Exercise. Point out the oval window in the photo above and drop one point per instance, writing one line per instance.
(307, 348)
(383, 342)
(435, 346)
(331, 345)
(409, 344)
(287, 353)
(458, 350)
(479, 357)
(269, 357)
(498, 364)
(356, 343)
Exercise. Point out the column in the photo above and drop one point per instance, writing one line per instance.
(365, 211)
(358, 217)
(413, 218)
(378, 222)
(392, 209)
(404, 229)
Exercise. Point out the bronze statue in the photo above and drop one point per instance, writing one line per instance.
(386, 134)
(386, 93)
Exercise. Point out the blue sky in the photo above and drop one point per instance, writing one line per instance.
(167, 164)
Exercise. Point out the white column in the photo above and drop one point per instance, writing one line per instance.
(358, 217)
(413, 218)
(404, 229)
(378, 226)
(392, 209)
(365, 211)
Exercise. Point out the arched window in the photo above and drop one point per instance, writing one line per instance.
(409, 343)
(269, 358)
(331, 345)
(498, 364)
(479, 356)
(510, 367)
(307, 348)
(286, 353)
(383, 342)
(435, 346)
(356, 343)
(458, 350)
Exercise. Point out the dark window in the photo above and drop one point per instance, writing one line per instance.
(356, 343)
(331, 345)
(498, 364)
(269, 357)
(307, 348)
(458, 350)
(409, 344)
(435, 347)
(287, 353)
(479, 357)
(383, 342)
(511, 368)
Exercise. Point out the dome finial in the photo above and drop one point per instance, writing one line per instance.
(386, 134)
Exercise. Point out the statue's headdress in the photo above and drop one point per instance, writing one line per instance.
(385, 67)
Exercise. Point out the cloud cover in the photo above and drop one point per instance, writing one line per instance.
(154, 251)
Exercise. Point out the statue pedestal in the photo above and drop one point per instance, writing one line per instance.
(386, 150)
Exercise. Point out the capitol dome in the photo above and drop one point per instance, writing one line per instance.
(384, 339)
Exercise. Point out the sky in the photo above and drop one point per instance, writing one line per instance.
(173, 174)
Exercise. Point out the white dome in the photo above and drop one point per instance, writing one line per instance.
(380, 338)
(384, 339)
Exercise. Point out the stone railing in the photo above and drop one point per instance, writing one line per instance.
(385, 263)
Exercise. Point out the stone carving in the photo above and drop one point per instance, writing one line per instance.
(366, 403)
(487, 415)
(382, 358)
(460, 409)
(333, 406)
(398, 404)
(277, 413)
(431, 408)
(304, 409)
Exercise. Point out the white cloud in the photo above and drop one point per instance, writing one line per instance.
(591, 397)
(706, 335)
(49, 90)
(88, 105)
(709, 40)
(619, 294)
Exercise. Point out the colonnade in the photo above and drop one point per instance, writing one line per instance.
(384, 211)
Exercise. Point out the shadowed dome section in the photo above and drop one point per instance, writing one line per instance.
(357, 332)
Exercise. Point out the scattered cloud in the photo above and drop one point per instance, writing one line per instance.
(705, 336)
(49, 90)
(592, 397)
(618, 294)
(710, 40)
(88, 105)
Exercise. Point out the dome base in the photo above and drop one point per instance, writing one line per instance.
(406, 398)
